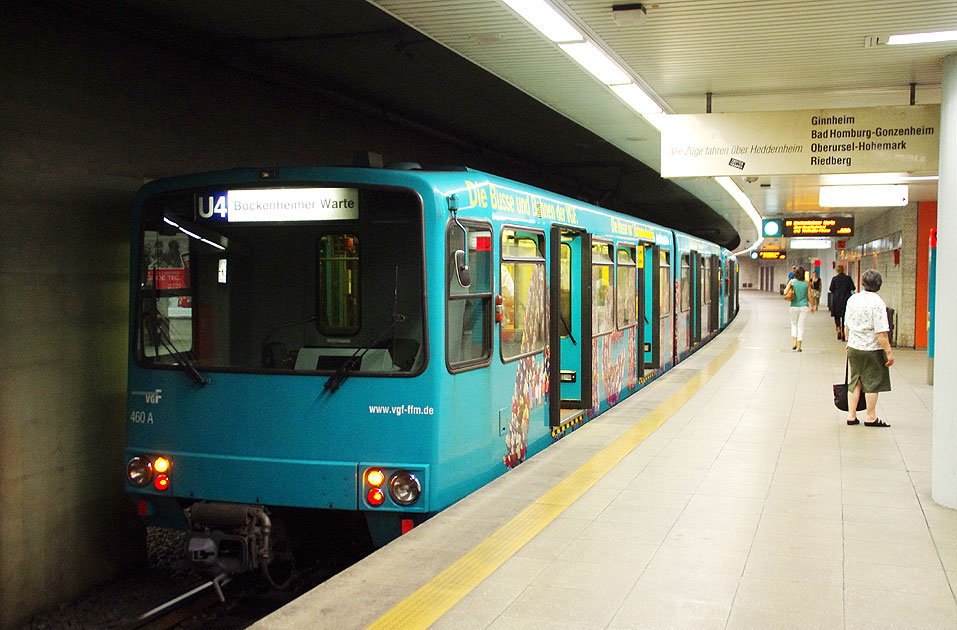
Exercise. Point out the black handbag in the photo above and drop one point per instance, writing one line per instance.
(840, 394)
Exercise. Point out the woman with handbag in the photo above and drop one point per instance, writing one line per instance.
(868, 349)
(797, 288)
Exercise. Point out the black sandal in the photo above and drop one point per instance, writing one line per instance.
(853, 422)
(876, 423)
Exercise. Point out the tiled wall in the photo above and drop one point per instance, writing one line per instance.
(900, 279)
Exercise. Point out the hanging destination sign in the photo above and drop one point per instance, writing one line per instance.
(812, 141)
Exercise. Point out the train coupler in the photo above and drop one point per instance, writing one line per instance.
(229, 537)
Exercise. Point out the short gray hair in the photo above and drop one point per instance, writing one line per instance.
(872, 280)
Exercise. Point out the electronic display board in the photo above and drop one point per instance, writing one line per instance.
(773, 255)
(818, 226)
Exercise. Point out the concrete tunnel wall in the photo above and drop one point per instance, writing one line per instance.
(89, 114)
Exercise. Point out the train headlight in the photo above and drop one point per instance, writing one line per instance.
(375, 477)
(161, 465)
(139, 471)
(405, 488)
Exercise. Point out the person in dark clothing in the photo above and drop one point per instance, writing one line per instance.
(841, 289)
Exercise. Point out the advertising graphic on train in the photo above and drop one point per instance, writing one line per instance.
(531, 377)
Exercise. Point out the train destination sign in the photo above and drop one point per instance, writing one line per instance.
(810, 141)
(818, 226)
(279, 204)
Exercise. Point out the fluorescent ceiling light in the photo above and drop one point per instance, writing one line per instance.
(636, 98)
(728, 184)
(922, 38)
(810, 243)
(863, 196)
(593, 59)
(546, 19)
(873, 178)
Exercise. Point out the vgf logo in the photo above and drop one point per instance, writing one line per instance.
(213, 206)
(151, 398)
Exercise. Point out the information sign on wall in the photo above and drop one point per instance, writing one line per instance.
(775, 255)
(815, 141)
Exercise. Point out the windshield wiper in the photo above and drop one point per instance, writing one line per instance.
(161, 334)
(345, 369)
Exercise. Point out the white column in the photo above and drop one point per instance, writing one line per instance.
(944, 463)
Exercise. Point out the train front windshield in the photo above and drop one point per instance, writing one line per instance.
(282, 279)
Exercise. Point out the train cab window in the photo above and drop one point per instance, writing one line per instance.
(469, 310)
(685, 282)
(258, 287)
(664, 277)
(603, 289)
(627, 276)
(338, 290)
(166, 310)
(522, 281)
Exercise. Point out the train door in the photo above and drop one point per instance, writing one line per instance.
(696, 298)
(570, 327)
(735, 289)
(667, 312)
(640, 319)
(652, 306)
(714, 292)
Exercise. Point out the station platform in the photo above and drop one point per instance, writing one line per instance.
(729, 493)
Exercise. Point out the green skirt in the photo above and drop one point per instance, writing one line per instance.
(868, 367)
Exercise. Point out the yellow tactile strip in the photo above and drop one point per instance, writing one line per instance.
(425, 606)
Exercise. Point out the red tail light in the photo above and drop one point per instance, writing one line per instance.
(376, 496)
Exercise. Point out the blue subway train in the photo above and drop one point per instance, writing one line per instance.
(375, 344)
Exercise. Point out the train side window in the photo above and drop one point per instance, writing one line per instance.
(522, 331)
(664, 277)
(706, 280)
(603, 289)
(338, 290)
(685, 282)
(627, 276)
(468, 309)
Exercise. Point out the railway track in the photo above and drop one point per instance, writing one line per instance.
(183, 607)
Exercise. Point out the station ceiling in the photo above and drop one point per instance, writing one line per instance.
(474, 72)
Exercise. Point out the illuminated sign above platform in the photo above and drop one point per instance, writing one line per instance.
(807, 226)
(818, 226)
(279, 204)
(775, 255)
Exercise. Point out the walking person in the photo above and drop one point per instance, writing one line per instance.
(868, 349)
(841, 289)
(815, 284)
(799, 307)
